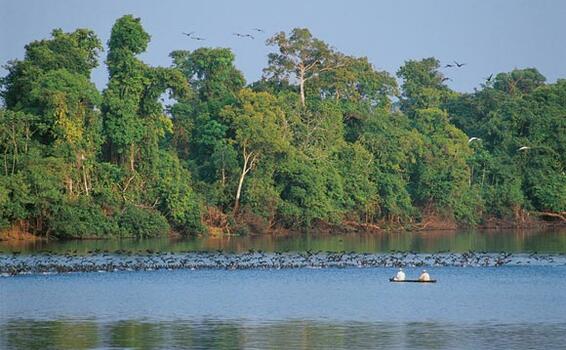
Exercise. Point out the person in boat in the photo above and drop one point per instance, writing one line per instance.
(424, 276)
(400, 275)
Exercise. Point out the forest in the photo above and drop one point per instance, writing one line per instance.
(323, 139)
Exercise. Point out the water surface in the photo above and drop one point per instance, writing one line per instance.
(544, 240)
(509, 307)
(515, 306)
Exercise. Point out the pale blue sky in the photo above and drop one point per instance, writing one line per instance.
(490, 36)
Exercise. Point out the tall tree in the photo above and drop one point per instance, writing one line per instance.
(259, 130)
(423, 85)
(300, 56)
(53, 83)
(123, 126)
(132, 111)
(440, 177)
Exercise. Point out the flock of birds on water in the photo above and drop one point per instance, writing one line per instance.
(49, 262)
(122, 260)
(15, 263)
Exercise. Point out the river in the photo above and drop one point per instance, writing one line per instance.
(511, 306)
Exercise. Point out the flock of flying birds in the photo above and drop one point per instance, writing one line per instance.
(455, 64)
(522, 148)
(191, 35)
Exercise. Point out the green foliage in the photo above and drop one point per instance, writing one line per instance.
(128, 35)
(76, 53)
(142, 223)
(199, 132)
(323, 137)
(309, 191)
(522, 81)
(423, 85)
(360, 192)
(211, 73)
(518, 111)
(14, 199)
(257, 123)
(81, 218)
(178, 200)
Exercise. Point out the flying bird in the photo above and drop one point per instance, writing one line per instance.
(473, 139)
(445, 79)
(258, 30)
(488, 79)
(524, 148)
(197, 38)
(239, 35)
(188, 34)
(459, 64)
(449, 65)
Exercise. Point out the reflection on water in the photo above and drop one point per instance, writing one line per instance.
(475, 308)
(550, 241)
(236, 334)
(506, 307)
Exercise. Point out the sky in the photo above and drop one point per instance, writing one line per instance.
(490, 36)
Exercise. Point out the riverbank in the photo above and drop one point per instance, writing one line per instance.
(430, 223)
(16, 233)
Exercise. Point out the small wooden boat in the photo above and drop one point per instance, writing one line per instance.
(414, 281)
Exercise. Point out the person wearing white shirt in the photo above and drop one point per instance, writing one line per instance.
(424, 276)
(400, 275)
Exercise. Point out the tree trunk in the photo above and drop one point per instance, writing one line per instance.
(132, 156)
(238, 193)
(85, 180)
(249, 160)
(302, 85)
(15, 155)
(240, 184)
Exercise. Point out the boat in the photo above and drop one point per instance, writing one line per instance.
(414, 281)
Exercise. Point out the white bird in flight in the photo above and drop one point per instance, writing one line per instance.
(524, 148)
(473, 139)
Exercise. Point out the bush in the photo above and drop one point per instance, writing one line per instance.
(142, 223)
(179, 202)
(81, 219)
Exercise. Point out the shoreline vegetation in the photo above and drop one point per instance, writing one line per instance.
(433, 225)
(323, 142)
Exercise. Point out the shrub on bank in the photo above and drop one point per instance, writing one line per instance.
(81, 219)
(142, 223)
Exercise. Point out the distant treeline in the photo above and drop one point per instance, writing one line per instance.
(322, 138)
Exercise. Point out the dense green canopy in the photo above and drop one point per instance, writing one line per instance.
(322, 138)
